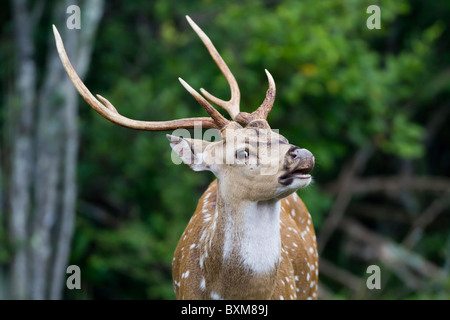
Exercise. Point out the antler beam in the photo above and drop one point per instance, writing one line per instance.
(108, 111)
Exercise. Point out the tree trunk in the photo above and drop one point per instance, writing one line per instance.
(22, 149)
(94, 11)
(43, 176)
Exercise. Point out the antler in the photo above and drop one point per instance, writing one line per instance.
(218, 118)
(263, 111)
(108, 111)
(232, 105)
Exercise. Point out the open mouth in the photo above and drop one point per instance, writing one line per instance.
(301, 173)
(298, 173)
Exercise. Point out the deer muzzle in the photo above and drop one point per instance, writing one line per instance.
(298, 164)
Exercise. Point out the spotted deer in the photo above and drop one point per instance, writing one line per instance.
(251, 236)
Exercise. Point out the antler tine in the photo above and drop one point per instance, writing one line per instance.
(108, 111)
(232, 105)
(218, 118)
(264, 109)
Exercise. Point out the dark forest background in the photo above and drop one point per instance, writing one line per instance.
(373, 106)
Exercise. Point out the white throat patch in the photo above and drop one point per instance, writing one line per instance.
(257, 240)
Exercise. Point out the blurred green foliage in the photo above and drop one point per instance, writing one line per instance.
(340, 87)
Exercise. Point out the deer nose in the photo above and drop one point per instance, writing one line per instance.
(303, 158)
(298, 153)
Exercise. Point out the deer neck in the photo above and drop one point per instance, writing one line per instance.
(244, 248)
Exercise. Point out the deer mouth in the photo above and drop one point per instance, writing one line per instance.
(301, 171)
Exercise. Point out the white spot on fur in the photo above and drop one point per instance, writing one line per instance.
(215, 296)
(202, 284)
(201, 261)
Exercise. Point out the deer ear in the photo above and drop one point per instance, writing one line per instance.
(191, 151)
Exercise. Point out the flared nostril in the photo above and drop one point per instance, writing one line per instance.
(294, 152)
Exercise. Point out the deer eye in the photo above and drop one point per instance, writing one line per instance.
(242, 154)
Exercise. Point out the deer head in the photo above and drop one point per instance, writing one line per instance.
(251, 163)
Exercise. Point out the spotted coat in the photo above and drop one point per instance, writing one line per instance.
(297, 273)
